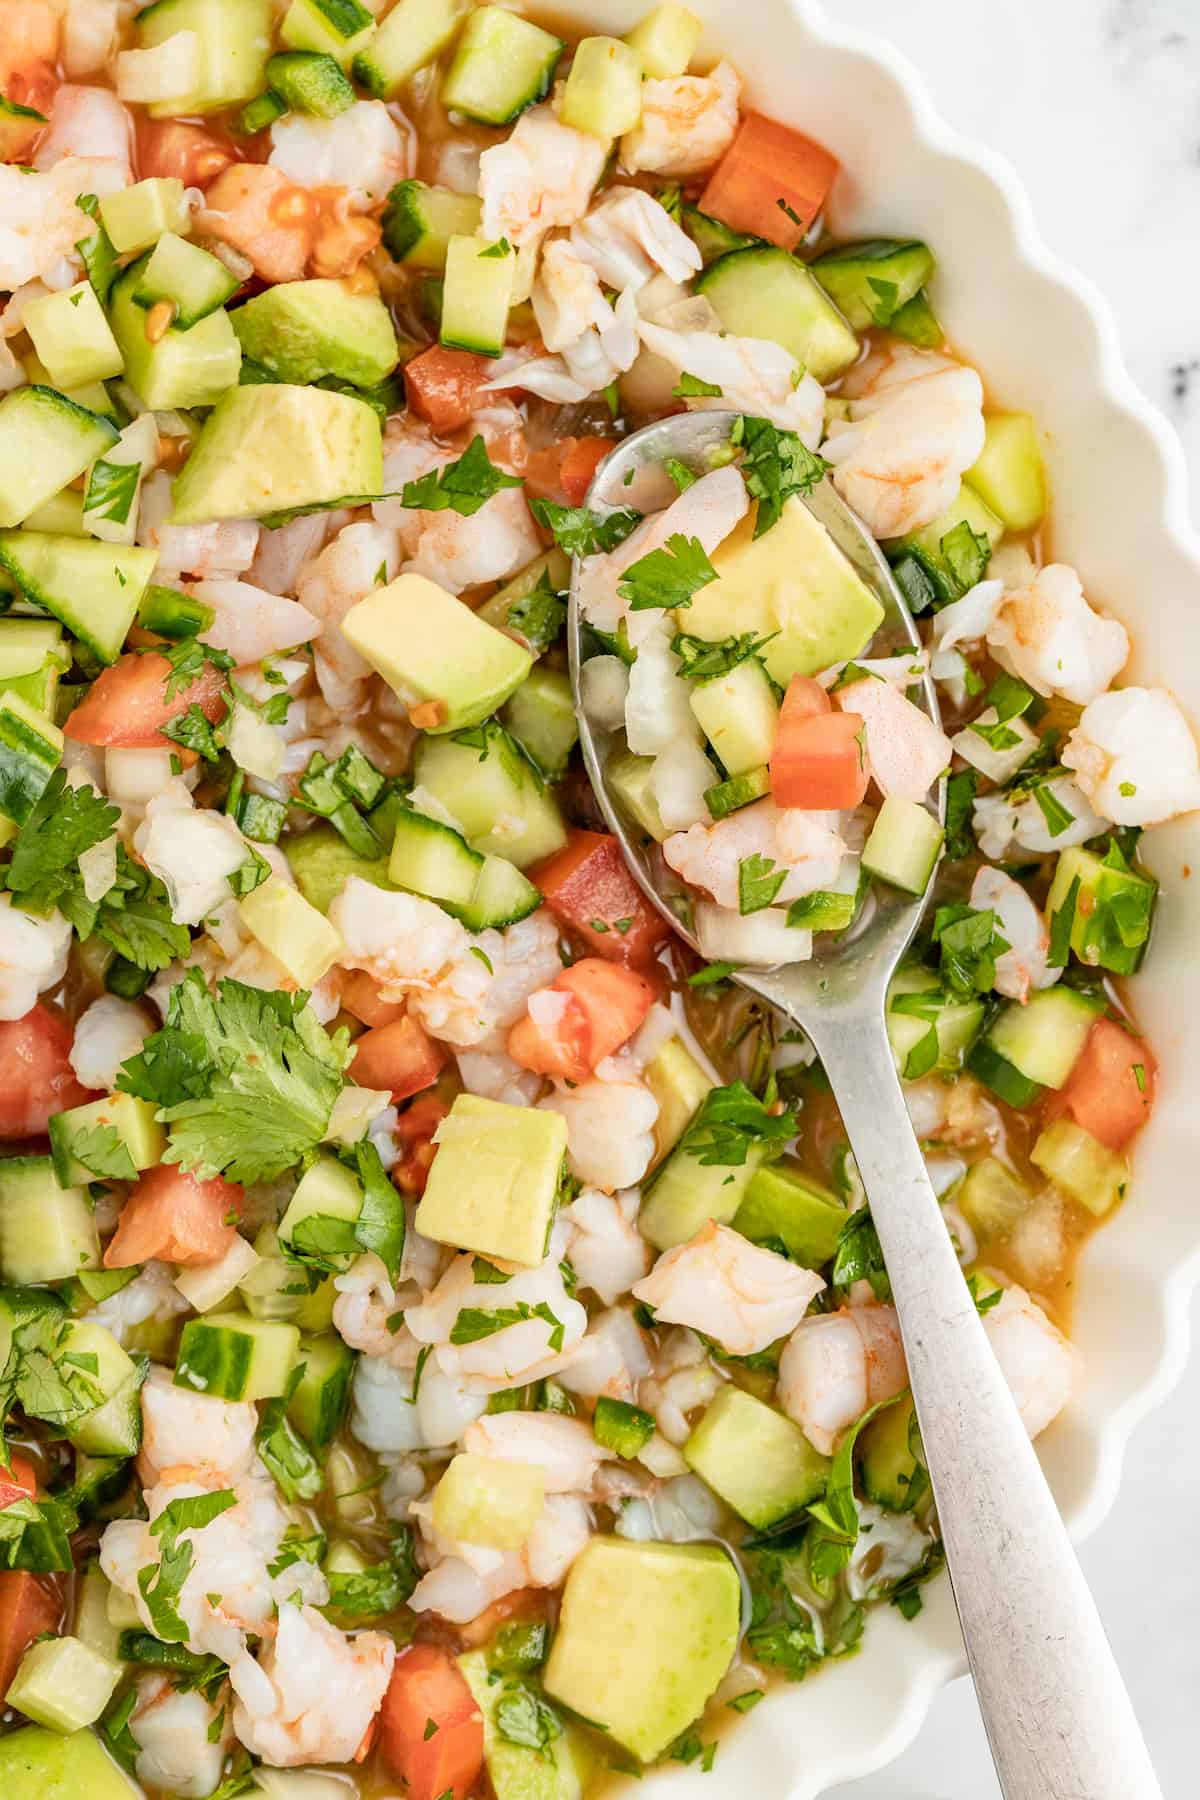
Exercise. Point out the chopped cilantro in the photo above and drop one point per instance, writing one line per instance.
(729, 1121)
(690, 387)
(1057, 816)
(474, 1323)
(539, 615)
(667, 577)
(111, 489)
(523, 1717)
(759, 880)
(777, 465)
(463, 486)
(970, 942)
(859, 1256)
(704, 660)
(583, 533)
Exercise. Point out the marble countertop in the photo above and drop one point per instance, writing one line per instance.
(1097, 105)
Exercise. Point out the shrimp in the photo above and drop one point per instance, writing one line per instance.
(906, 750)
(688, 123)
(107, 1034)
(386, 1418)
(611, 1360)
(490, 545)
(27, 73)
(181, 1737)
(1022, 966)
(915, 428)
(180, 1427)
(597, 342)
(325, 1689)
(565, 1450)
(33, 956)
(366, 150)
(488, 1070)
(467, 1580)
(628, 236)
(610, 1125)
(366, 1300)
(753, 376)
(150, 1295)
(224, 547)
(360, 558)
(89, 35)
(1001, 820)
(40, 223)
(534, 1347)
(605, 1249)
(967, 620)
(541, 176)
(1048, 635)
(1043, 1370)
(805, 844)
(680, 1511)
(192, 853)
(836, 1365)
(257, 210)
(658, 715)
(1134, 757)
(279, 555)
(88, 122)
(684, 1380)
(720, 1284)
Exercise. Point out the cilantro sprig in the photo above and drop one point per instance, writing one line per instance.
(579, 532)
(463, 486)
(667, 577)
(729, 1122)
(776, 465)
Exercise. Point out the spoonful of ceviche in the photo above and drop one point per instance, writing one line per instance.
(760, 725)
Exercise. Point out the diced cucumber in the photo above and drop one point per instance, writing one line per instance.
(991, 1198)
(996, 750)
(413, 34)
(502, 64)
(1112, 909)
(1010, 475)
(136, 217)
(483, 780)
(294, 932)
(181, 368)
(47, 1232)
(783, 1202)
(1006, 1082)
(208, 1287)
(740, 790)
(342, 28)
(917, 323)
(712, 238)
(45, 442)
(235, 41)
(630, 779)
(433, 859)
(88, 1131)
(93, 1626)
(680, 1086)
(904, 844)
(114, 1426)
(30, 749)
(322, 860)
(323, 1211)
(666, 40)
(261, 113)
(274, 1288)
(620, 1427)
(112, 501)
(37, 1764)
(478, 292)
(603, 92)
(39, 690)
(685, 1194)
(94, 588)
(62, 1684)
(27, 644)
(1044, 1037)
(765, 293)
(969, 508)
(72, 336)
(187, 278)
(541, 716)
(870, 282)
(420, 221)
(234, 1357)
(1081, 1165)
(917, 1006)
(517, 1770)
(552, 567)
(500, 897)
(318, 1401)
(891, 1474)
(739, 715)
(758, 1461)
(311, 81)
(171, 614)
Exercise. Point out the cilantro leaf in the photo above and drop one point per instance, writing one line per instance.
(777, 465)
(960, 798)
(966, 554)
(464, 486)
(729, 1121)
(836, 1516)
(539, 615)
(380, 1225)
(759, 880)
(1057, 816)
(249, 875)
(970, 944)
(690, 387)
(475, 1322)
(106, 1154)
(160, 1584)
(97, 252)
(522, 1717)
(1062, 924)
(193, 730)
(582, 533)
(667, 577)
(705, 660)
(297, 1472)
(134, 917)
(111, 489)
(859, 1257)
(65, 822)
(189, 1670)
(188, 660)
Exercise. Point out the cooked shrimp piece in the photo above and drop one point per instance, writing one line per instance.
(361, 557)
(108, 1033)
(30, 35)
(905, 749)
(150, 1295)
(181, 1737)
(402, 941)
(387, 1419)
(89, 35)
(366, 1301)
(33, 956)
(1134, 757)
(688, 123)
(1043, 1370)
(753, 375)
(1048, 635)
(610, 1126)
(564, 1449)
(251, 623)
(519, 1352)
(605, 1248)
(612, 1359)
(1022, 966)
(279, 555)
(541, 176)
(488, 1070)
(257, 210)
(490, 545)
(326, 1689)
(223, 547)
(88, 122)
(967, 620)
(459, 1590)
(804, 844)
(40, 224)
(683, 1380)
(367, 149)
(597, 341)
(629, 236)
(180, 1427)
(836, 1365)
(730, 1289)
(915, 428)
(192, 852)
(1065, 819)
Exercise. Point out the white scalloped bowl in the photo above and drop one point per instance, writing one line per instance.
(1045, 341)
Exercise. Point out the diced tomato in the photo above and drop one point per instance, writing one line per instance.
(771, 182)
(563, 471)
(360, 996)
(400, 1057)
(817, 759)
(169, 147)
(19, 1483)
(38, 1077)
(128, 704)
(29, 1606)
(442, 386)
(1110, 1091)
(33, 86)
(426, 1689)
(588, 888)
(415, 1129)
(176, 1218)
(602, 1006)
(804, 699)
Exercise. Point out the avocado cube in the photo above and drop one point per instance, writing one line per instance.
(294, 932)
(37, 1761)
(645, 1636)
(81, 1155)
(494, 1179)
(758, 1461)
(304, 330)
(61, 1683)
(72, 336)
(792, 582)
(482, 1500)
(431, 648)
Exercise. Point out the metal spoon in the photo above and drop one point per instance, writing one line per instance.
(1058, 1718)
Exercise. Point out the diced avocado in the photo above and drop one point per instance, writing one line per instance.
(235, 41)
(794, 582)
(680, 1086)
(419, 222)
(892, 1476)
(61, 1683)
(495, 793)
(322, 860)
(481, 1500)
(276, 447)
(136, 217)
(666, 40)
(494, 1180)
(784, 1202)
(766, 293)
(37, 1764)
(72, 336)
(317, 1403)
(93, 588)
(541, 716)
(1112, 909)
(627, 1610)
(323, 1211)
(88, 1131)
(292, 929)
(630, 779)
(517, 1771)
(47, 1232)
(235, 1357)
(181, 368)
(739, 715)
(432, 649)
(1081, 1165)
(603, 92)
(758, 1461)
(45, 442)
(305, 330)
(1010, 475)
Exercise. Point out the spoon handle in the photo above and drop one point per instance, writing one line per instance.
(1057, 1714)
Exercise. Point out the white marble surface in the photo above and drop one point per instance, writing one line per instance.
(1097, 104)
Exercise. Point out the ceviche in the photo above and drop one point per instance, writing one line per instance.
(443, 1340)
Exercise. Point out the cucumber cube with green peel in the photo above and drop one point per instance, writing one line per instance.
(413, 35)
(341, 28)
(72, 336)
(680, 1086)
(26, 644)
(766, 293)
(991, 1198)
(1044, 1038)
(318, 1401)
(478, 293)
(94, 588)
(556, 1770)
(109, 1139)
(541, 716)
(870, 282)
(494, 1181)
(502, 64)
(311, 82)
(1111, 909)
(303, 331)
(190, 280)
(45, 442)
(482, 1500)
(758, 1461)
(784, 1203)
(136, 217)
(235, 41)
(903, 845)
(419, 222)
(62, 1684)
(236, 1357)
(210, 1286)
(739, 715)
(30, 750)
(631, 779)
(499, 799)
(181, 368)
(892, 1476)
(620, 1427)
